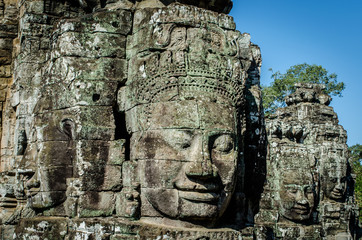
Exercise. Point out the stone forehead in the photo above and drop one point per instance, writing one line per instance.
(296, 176)
(187, 114)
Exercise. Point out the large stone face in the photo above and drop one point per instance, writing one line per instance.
(143, 120)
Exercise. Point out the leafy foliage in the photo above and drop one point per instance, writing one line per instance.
(283, 84)
(356, 164)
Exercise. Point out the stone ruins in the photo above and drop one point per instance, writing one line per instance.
(143, 120)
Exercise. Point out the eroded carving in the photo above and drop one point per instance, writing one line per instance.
(308, 170)
(143, 119)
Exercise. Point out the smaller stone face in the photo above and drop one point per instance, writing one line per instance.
(47, 187)
(335, 181)
(297, 195)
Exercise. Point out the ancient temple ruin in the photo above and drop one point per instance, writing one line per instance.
(143, 120)
(309, 188)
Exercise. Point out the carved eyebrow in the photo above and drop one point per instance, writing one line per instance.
(176, 134)
(220, 132)
(188, 132)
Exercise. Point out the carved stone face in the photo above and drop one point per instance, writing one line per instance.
(187, 159)
(52, 153)
(46, 188)
(334, 186)
(297, 195)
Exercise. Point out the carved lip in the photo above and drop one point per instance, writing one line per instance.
(31, 193)
(199, 196)
(301, 210)
(336, 194)
(204, 187)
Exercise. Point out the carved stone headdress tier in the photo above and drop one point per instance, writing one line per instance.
(183, 59)
(186, 81)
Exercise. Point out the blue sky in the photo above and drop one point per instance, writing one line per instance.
(327, 33)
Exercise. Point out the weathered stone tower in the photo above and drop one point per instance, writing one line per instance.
(143, 120)
(309, 188)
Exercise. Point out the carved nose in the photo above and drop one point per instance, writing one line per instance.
(303, 201)
(200, 164)
(301, 198)
(339, 186)
(202, 169)
(32, 183)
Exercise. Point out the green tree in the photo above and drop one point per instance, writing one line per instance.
(356, 164)
(283, 84)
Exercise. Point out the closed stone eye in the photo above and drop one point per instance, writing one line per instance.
(179, 139)
(292, 190)
(223, 143)
(183, 144)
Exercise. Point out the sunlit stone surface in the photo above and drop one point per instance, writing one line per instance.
(143, 120)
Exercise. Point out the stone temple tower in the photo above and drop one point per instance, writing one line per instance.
(143, 120)
(309, 189)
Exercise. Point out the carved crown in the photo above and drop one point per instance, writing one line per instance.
(215, 78)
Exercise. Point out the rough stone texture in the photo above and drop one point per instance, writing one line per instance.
(143, 120)
(309, 189)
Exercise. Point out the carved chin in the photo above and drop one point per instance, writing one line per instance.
(181, 205)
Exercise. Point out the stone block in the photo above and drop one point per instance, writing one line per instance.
(94, 173)
(117, 152)
(158, 173)
(56, 153)
(68, 69)
(128, 203)
(116, 22)
(216, 117)
(96, 204)
(42, 228)
(85, 228)
(5, 71)
(163, 115)
(71, 207)
(6, 44)
(92, 93)
(153, 144)
(35, 25)
(3, 94)
(79, 93)
(112, 178)
(129, 173)
(181, 114)
(95, 45)
(33, 6)
(93, 151)
(181, 14)
(85, 124)
(153, 202)
(53, 178)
